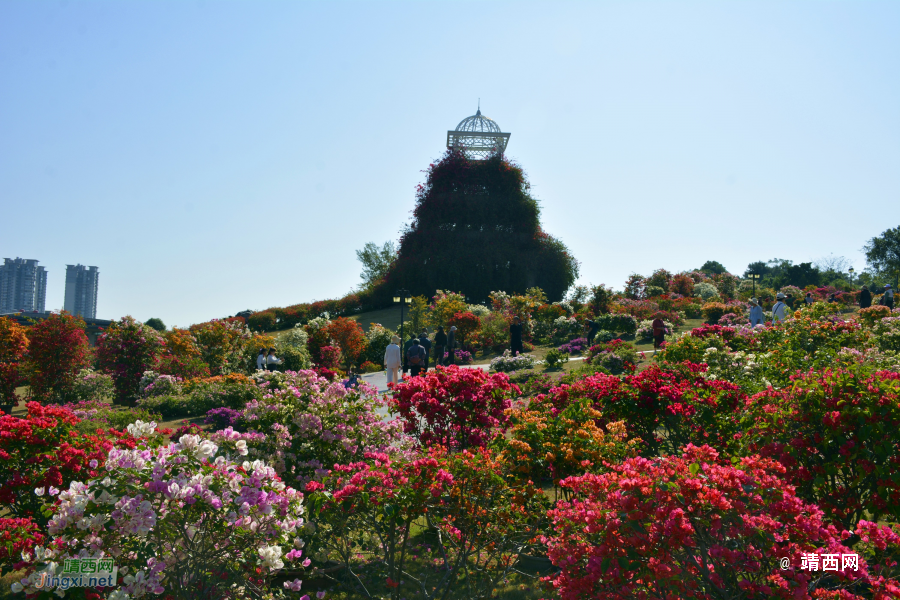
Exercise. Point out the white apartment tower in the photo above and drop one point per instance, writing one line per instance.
(81, 291)
(23, 285)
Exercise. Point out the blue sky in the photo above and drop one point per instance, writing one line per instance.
(215, 156)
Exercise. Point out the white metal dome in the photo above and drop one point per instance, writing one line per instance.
(478, 122)
(478, 136)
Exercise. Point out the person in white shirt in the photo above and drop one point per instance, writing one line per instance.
(778, 309)
(888, 297)
(272, 361)
(392, 360)
(261, 360)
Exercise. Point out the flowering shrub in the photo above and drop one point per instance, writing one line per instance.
(312, 424)
(682, 284)
(90, 385)
(731, 319)
(834, 431)
(508, 363)
(619, 323)
(563, 328)
(466, 324)
(378, 338)
(706, 290)
(453, 407)
(461, 357)
(692, 527)
(873, 314)
(181, 356)
(482, 519)
(58, 349)
(179, 520)
(17, 536)
(712, 311)
(95, 414)
(202, 395)
(126, 350)
(556, 438)
(444, 305)
(666, 409)
(576, 346)
(615, 356)
(44, 450)
(13, 344)
(886, 334)
(349, 337)
(329, 357)
(154, 384)
(223, 417)
(494, 332)
(226, 346)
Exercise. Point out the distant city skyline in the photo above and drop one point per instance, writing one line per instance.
(218, 156)
(23, 285)
(82, 284)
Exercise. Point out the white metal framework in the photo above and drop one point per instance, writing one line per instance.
(478, 136)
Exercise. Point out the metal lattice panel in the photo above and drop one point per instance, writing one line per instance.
(478, 136)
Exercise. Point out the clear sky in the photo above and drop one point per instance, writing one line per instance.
(211, 157)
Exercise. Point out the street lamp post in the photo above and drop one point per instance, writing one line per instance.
(852, 271)
(402, 298)
(753, 278)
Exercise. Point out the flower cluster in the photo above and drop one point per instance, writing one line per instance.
(508, 363)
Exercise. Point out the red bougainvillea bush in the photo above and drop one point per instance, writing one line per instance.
(665, 408)
(836, 432)
(454, 407)
(696, 527)
(44, 451)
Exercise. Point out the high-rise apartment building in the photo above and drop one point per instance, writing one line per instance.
(81, 291)
(23, 285)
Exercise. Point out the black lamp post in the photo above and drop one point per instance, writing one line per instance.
(852, 271)
(753, 277)
(402, 298)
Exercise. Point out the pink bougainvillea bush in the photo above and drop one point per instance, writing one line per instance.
(697, 527)
(836, 432)
(126, 350)
(181, 520)
(454, 407)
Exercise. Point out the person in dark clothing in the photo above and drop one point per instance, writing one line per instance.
(425, 343)
(440, 342)
(888, 298)
(659, 332)
(515, 336)
(789, 300)
(809, 299)
(415, 357)
(592, 328)
(451, 345)
(406, 348)
(865, 297)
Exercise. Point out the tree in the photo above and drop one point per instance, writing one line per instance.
(477, 229)
(759, 267)
(125, 350)
(883, 255)
(13, 345)
(713, 267)
(349, 336)
(835, 264)
(156, 324)
(376, 261)
(58, 349)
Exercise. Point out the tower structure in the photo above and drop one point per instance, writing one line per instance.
(23, 285)
(81, 291)
(478, 136)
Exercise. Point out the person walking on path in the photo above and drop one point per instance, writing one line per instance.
(659, 332)
(888, 298)
(515, 336)
(865, 297)
(592, 328)
(778, 308)
(415, 358)
(425, 343)
(451, 345)
(406, 348)
(440, 342)
(272, 361)
(756, 313)
(261, 360)
(392, 360)
(808, 299)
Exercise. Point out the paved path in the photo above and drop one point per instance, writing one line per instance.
(379, 379)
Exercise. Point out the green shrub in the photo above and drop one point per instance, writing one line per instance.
(693, 311)
(556, 358)
(713, 310)
(295, 359)
(99, 415)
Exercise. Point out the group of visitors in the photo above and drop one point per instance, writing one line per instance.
(267, 361)
(415, 356)
(887, 298)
